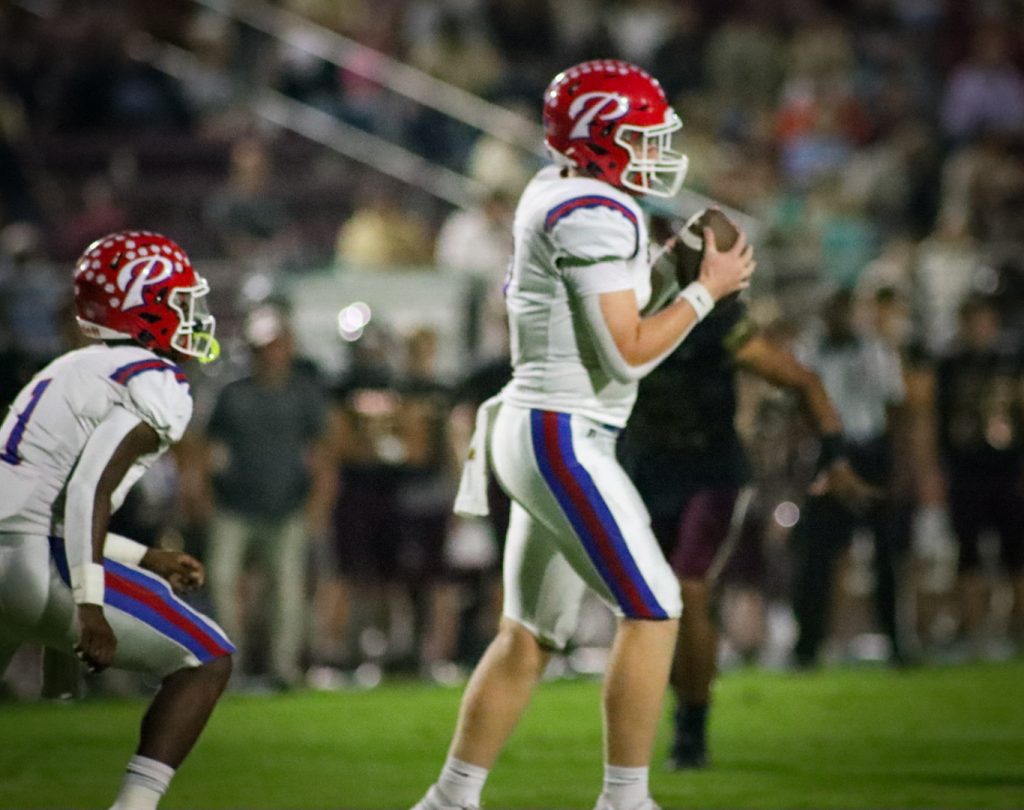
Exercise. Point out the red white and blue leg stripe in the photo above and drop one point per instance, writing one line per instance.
(150, 600)
(589, 515)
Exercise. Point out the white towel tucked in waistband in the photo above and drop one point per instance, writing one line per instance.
(471, 500)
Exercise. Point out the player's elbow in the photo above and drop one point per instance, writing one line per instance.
(621, 372)
(631, 356)
(631, 352)
(622, 368)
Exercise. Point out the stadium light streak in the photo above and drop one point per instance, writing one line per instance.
(309, 37)
(365, 148)
(355, 144)
(345, 139)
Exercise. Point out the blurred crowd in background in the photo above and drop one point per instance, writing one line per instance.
(877, 145)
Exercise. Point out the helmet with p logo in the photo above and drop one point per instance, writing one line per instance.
(610, 119)
(141, 286)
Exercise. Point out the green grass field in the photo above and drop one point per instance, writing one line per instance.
(948, 737)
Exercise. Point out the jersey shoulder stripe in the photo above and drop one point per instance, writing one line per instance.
(130, 370)
(565, 208)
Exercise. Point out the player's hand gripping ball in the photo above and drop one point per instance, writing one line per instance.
(689, 246)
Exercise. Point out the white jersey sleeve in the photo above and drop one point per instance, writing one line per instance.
(162, 401)
(595, 238)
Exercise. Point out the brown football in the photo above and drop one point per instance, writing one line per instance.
(689, 250)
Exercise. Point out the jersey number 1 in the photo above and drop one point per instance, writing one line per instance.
(10, 453)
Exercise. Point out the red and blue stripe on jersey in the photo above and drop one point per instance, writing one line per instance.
(563, 209)
(589, 515)
(126, 372)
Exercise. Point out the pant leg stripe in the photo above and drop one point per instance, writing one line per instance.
(151, 601)
(589, 515)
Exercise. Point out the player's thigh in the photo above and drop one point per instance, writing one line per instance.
(702, 532)
(563, 471)
(543, 592)
(157, 632)
(609, 516)
(34, 604)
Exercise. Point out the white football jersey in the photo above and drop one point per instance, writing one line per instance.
(574, 237)
(53, 417)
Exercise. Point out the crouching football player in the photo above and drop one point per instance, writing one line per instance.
(78, 436)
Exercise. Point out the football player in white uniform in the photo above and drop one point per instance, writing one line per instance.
(76, 438)
(580, 277)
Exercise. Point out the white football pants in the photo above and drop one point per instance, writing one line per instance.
(577, 521)
(157, 633)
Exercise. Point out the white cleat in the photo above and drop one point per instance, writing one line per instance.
(435, 800)
(646, 804)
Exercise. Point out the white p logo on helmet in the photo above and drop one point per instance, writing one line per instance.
(138, 273)
(602, 106)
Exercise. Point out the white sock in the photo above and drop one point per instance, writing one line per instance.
(625, 788)
(461, 783)
(145, 782)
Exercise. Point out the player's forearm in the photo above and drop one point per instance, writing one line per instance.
(632, 346)
(609, 348)
(101, 510)
(88, 505)
(85, 534)
(659, 334)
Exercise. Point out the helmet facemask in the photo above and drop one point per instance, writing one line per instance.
(194, 335)
(654, 166)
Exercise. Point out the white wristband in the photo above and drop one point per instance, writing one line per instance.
(87, 584)
(698, 297)
(124, 550)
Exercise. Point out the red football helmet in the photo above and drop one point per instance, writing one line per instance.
(611, 120)
(141, 285)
